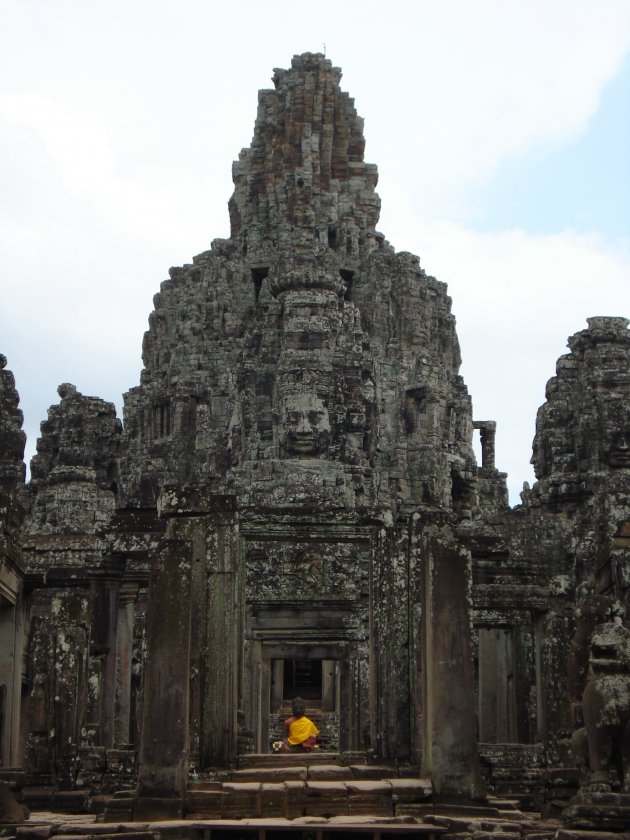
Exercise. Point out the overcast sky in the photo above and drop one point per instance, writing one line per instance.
(501, 131)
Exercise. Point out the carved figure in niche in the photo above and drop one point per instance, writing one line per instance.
(600, 660)
(355, 431)
(309, 566)
(360, 422)
(305, 425)
(462, 491)
(414, 412)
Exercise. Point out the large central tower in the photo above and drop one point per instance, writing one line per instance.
(304, 317)
(303, 429)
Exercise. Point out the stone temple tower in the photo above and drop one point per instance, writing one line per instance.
(302, 427)
(305, 312)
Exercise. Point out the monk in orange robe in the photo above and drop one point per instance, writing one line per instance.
(302, 732)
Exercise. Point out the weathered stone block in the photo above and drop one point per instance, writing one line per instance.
(371, 771)
(33, 832)
(204, 804)
(153, 809)
(370, 797)
(326, 799)
(328, 772)
(38, 798)
(242, 799)
(119, 809)
(11, 811)
(411, 790)
(70, 801)
(272, 799)
(271, 774)
(294, 799)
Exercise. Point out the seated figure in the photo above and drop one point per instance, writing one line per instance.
(302, 732)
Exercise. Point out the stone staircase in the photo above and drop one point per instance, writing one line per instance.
(314, 784)
(302, 796)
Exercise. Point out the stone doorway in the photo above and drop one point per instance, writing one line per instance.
(303, 678)
(317, 682)
(332, 674)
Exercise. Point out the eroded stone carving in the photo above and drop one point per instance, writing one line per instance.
(599, 682)
(305, 426)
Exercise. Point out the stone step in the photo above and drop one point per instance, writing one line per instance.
(273, 760)
(280, 770)
(305, 796)
(249, 829)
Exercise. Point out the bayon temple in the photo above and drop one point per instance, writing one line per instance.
(292, 506)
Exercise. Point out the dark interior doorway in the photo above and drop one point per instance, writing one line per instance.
(303, 678)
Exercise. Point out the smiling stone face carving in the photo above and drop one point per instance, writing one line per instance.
(306, 426)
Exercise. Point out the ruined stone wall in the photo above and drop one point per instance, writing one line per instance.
(86, 597)
(582, 455)
(532, 565)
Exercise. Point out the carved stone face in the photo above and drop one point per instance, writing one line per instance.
(619, 452)
(307, 425)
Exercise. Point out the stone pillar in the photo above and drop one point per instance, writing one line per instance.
(391, 704)
(224, 642)
(198, 635)
(329, 685)
(487, 433)
(9, 685)
(164, 746)
(104, 634)
(277, 684)
(124, 651)
(451, 755)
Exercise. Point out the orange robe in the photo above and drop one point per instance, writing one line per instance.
(301, 730)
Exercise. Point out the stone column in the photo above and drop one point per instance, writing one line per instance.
(224, 641)
(391, 706)
(124, 649)
(487, 432)
(451, 756)
(7, 680)
(277, 684)
(164, 746)
(329, 685)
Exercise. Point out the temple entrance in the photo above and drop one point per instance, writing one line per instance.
(315, 651)
(316, 681)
